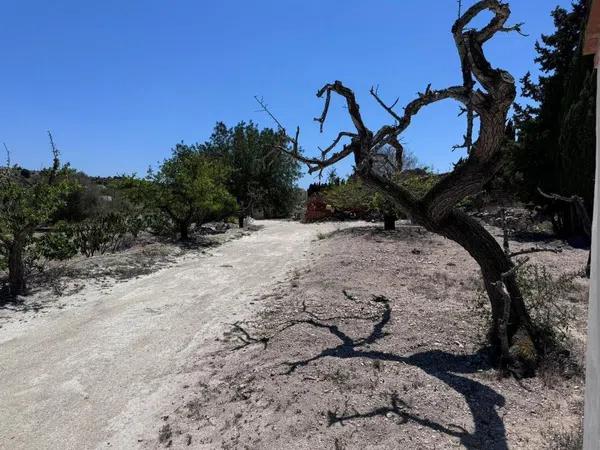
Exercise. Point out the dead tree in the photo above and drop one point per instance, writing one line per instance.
(486, 93)
(581, 215)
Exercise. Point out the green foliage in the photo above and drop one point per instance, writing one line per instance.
(556, 134)
(190, 187)
(261, 177)
(418, 181)
(56, 245)
(548, 299)
(27, 201)
(355, 197)
(100, 234)
(351, 196)
(546, 296)
(89, 199)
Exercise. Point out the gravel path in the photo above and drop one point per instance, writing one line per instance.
(97, 375)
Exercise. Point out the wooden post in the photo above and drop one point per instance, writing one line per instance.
(592, 384)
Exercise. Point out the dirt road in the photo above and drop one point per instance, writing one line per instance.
(97, 375)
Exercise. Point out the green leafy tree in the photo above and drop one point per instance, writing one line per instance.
(261, 177)
(27, 201)
(188, 188)
(555, 148)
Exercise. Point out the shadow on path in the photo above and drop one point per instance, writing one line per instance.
(482, 400)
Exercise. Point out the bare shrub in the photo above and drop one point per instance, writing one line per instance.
(566, 440)
(547, 298)
(100, 235)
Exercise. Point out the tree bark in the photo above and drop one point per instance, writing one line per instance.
(241, 221)
(16, 269)
(389, 222)
(483, 247)
(493, 261)
(184, 231)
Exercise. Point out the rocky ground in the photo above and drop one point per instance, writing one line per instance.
(96, 368)
(377, 342)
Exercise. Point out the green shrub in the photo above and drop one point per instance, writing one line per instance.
(418, 181)
(566, 440)
(545, 297)
(100, 234)
(551, 315)
(57, 245)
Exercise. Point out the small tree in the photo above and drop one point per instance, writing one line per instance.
(27, 201)
(190, 187)
(259, 177)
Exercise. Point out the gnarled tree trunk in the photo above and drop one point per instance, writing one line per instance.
(16, 269)
(494, 262)
(184, 230)
(389, 222)
(438, 210)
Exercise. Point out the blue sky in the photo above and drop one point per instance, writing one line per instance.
(120, 82)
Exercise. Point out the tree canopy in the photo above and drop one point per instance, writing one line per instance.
(555, 148)
(27, 201)
(261, 177)
(189, 187)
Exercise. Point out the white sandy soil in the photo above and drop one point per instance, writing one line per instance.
(97, 373)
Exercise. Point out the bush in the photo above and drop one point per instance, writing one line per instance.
(56, 245)
(100, 235)
(351, 197)
(545, 297)
(27, 203)
(418, 181)
(566, 440)
(188, 188)
(551, 316)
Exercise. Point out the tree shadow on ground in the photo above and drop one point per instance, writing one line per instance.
(482, 400)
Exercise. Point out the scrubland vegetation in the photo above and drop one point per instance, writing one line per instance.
(438, 333)
(57, 213)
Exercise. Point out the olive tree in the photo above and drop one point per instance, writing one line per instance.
(27, 201)
(188, 188)
(486, 93)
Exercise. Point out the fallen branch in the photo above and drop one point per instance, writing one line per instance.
(535, 250)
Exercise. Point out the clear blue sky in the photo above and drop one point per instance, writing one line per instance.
(120, 82)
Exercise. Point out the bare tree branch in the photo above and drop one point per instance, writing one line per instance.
(321, 119)
(335, 142)
(389, 109)
(7, 155)
(353, 108)
(535, 250)
(55, 159)
(265, 109)
(579, 206)
(520, 263)
(561, 198)
(517, 27)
